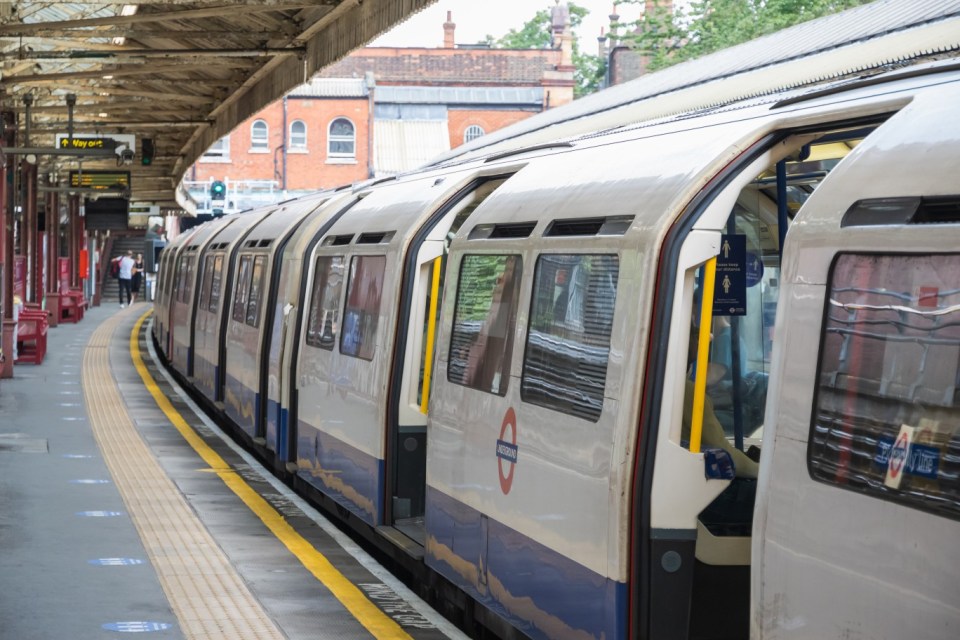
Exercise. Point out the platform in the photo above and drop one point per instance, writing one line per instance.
(123, 509)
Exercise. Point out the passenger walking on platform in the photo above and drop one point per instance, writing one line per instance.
(137, 277)
(126, 275)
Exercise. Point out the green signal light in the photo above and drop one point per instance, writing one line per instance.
(217, 189)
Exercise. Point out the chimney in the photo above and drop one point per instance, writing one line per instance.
(448, 28)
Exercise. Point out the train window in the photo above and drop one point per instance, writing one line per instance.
(240, 292)
(185, 284)
(216, 284)
(204, 302)
(362, 311)
(886, 410)
(568, 342)
(481, 344)
(256, 291)
(325, 302)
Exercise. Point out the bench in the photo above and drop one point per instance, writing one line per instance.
(72, 306)
(31, 336)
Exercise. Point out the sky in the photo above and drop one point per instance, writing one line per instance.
(475, 19)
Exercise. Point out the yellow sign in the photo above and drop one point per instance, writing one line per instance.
(82, 143)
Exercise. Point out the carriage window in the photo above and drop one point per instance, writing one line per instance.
(362, 311)
(885, 420)
(256, 292)
(205, 288)
(185, 284)
(215, 284)
(325, 302)
(565, 364)
(243, 286)
(481, 344)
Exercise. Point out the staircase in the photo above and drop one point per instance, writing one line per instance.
(110, 292)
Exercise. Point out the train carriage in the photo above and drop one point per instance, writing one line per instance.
(363, 344)
(550, 372)
(862, 463)
(182, 293)
(243, 341)
(215, 293)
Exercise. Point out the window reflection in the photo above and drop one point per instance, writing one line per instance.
(568, 344)
(362, 311)
(325, 306)
(482, 341)
(887, 419)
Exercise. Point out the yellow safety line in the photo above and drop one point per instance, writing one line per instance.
(703, 346)
(431, 335)
(356, 602)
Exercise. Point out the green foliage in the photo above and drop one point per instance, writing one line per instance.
(711, 25)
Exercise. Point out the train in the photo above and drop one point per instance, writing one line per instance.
(656, 367)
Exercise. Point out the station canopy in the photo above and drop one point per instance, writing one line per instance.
(175, 73)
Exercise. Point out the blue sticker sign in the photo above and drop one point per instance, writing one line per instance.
(914, 459)
(136, 626)
(730, 292)
(115, 562)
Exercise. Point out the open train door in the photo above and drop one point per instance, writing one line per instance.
(709, 368)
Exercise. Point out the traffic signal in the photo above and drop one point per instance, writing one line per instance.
(146, 152)
(218, 190)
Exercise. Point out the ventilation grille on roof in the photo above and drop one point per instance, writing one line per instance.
(502, 231)
(375, 238)
(337, 241)
(608, 226)
(900, 211)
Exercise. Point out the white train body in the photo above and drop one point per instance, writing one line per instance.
(540, 371)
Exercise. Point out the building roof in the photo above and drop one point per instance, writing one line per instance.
(447, 66)
(532, 96)
(331, 88)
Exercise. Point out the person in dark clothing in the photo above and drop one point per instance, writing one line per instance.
(137, 277)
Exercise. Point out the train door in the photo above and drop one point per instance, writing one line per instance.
(712, 378)
(410, 387)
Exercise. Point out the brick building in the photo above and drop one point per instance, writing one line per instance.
(380, 111)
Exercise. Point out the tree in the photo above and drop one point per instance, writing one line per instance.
(536, 33)
(711, 25)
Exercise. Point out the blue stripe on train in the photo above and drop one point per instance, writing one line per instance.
(534, 588)
(240, 404)
(351, 477)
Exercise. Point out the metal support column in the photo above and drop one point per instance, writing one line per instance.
(53, 253)
(6, 256)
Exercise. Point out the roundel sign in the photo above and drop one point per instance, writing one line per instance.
(507, 450)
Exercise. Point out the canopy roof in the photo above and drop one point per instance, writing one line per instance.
(180, 73)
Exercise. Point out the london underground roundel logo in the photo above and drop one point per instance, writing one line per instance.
(507, 450)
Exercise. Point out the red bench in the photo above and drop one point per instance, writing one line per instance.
(31, 336)
(72, 306)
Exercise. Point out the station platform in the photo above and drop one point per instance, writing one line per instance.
(124, 510)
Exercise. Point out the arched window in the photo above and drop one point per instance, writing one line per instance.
(298, 135)
(259, 136)
(342, 139)
(472, 133)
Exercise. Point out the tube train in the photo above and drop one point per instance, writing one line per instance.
(542, 376)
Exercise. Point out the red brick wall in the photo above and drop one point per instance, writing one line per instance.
(448, 67)
(305, 170)
(489, 121)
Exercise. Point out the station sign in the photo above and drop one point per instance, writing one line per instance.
(100, 180)
(109, 141)
(143, 209)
